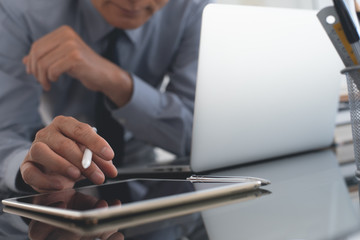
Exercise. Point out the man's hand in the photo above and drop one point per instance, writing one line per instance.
(54, 159)
(63, 51)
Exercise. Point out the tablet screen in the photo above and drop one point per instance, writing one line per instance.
(106, 195)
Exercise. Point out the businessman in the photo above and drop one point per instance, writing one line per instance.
(74, 57)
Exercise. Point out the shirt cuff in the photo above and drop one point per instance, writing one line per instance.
(13, 167)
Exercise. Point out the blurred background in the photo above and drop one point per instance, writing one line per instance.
(305, 4)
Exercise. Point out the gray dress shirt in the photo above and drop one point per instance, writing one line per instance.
(167, 45)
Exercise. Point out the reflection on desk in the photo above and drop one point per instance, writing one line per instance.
(132, 221)
(308, 200)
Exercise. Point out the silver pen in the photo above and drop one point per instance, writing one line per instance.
(226, 179)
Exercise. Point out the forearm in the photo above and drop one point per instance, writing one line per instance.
(19, 120)
(19, 96)
(164, 119)
(161, 119)
(13, 149)
(117, 85)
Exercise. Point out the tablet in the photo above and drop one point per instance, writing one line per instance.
(124, 198)
(155, 219)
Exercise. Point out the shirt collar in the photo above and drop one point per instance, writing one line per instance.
(134, 34)
(99, 27)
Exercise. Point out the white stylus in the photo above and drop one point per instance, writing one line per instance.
(86, 160)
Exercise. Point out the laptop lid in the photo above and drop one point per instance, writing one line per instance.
(268, 85)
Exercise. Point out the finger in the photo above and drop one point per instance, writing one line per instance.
(45, 156)
(117, 236)
(41, 73)
(47, 43)
(28, 64)
(59, 67)
(107, 167)
(84, 201)
(38, 75)
(85, 135)
(38, 180)
(94, 174)
(41, 47)
(66, 65)
(38, 230)
(114, 202)
(25, 61)
(38, 49)
(112, 235)
(44, 63)
(49, 61)
(55, 198)
(70, 151)
(101, 204)
(70, 157)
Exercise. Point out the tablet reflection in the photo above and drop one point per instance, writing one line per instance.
(177, 222)
(72, 199)
(189, 226)
(182, 222)
(41, 231)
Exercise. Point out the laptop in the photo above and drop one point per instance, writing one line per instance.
(267, 86)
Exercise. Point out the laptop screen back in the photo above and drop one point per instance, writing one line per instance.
(268, 85)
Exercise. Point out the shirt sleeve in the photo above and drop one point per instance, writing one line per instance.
(165, 119)
(19, 96)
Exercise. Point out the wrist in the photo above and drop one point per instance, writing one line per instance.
(119, 88)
